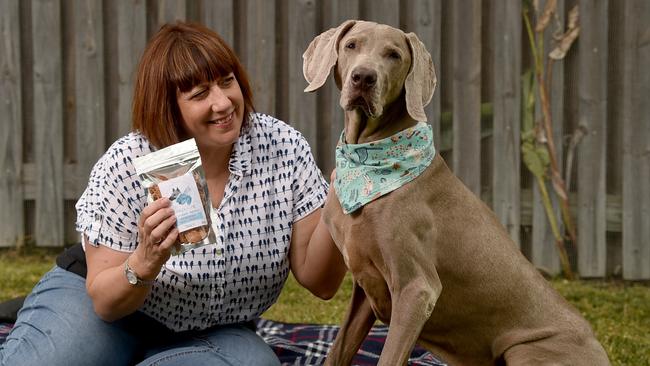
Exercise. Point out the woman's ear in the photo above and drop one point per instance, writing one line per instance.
(321, 55)
(421, 80)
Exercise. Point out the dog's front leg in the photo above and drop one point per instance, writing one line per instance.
(358, 322)
(411, 308)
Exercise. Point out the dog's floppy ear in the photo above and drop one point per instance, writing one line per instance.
(322, 54)
(421, 79)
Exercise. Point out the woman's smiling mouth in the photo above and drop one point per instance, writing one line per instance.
(222, 121)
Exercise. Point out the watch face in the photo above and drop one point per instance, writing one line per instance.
(130, 276)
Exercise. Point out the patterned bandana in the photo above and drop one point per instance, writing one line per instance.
(365, 172)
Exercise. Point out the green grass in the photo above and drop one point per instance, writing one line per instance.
(618, 311)
(20, 269)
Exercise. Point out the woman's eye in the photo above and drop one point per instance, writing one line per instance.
(227, 80)
(351, 45)
(200, 94)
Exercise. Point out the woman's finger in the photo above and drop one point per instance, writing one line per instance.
(159, 233)
(170, 240)
(156, 219)
(152, 208)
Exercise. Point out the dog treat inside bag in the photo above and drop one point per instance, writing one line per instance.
(176, 172)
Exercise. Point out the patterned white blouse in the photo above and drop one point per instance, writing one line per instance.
(274, 182)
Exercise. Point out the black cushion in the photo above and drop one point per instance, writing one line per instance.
(9, 309)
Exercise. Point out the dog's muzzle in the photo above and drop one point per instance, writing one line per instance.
(363, 78)
(362, 91)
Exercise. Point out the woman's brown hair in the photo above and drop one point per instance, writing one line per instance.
(179, 57)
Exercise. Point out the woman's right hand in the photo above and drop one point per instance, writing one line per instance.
(157, 236)
(112, 295)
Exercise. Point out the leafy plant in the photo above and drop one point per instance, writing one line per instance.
(538, 148)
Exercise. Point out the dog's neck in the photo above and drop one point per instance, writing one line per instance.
(361, 128)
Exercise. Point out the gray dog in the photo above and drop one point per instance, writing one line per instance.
(427, 256)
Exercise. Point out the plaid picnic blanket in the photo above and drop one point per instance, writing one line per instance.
(4, 330)
(307, 344)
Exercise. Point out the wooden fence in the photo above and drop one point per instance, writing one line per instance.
(66, 71)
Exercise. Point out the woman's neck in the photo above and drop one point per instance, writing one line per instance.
(215, 161)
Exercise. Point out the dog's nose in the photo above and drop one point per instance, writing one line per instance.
(363, 78)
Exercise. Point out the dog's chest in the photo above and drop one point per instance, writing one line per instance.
(363, 258)
(350, 233)
(356, 236)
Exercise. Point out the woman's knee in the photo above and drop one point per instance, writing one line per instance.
(224, 346)
(243, 344)
(57, 326)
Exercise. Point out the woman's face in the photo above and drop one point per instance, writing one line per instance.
(213, 112)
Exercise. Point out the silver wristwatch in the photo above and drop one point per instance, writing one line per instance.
(133, 277)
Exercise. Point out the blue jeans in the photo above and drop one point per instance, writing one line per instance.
(58, 326)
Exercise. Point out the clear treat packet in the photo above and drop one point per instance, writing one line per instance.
(176, 172)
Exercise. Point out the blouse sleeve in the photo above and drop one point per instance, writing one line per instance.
(309, 187)
(109, 208)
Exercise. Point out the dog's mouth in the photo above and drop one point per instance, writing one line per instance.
(361, 102)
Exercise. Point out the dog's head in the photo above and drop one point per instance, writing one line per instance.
(375, 65)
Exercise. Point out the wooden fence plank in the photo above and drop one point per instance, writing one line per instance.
(592, 96)
(544, 253)
(160, 12)
(11, 132)
(330, 121)
(89, 84)
(171, 11)
(338, 11)
(220, 16)
(381, 11)
(48, 122)
(259, 52)
(131, 40)
(636, 141)
(68, 49)
(423, 18)
(302, 106)
(466, 59)
(507, 114)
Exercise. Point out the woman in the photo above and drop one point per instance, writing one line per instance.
(195, 308)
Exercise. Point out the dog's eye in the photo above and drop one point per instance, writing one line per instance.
(394, 55)
(351, 45)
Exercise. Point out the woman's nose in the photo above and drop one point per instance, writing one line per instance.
(219, 101)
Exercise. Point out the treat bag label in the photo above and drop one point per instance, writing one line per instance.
(186, 202)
